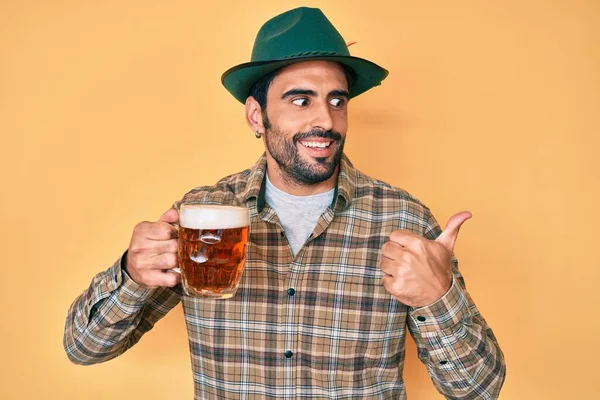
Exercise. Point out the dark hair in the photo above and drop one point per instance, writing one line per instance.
(261, 87)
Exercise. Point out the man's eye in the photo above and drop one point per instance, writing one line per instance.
(300, 102)
(337, 102)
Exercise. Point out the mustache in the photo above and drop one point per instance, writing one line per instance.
(317, 133)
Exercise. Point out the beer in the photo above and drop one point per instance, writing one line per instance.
(212, 248)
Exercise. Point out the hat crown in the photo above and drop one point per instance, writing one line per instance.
(299, 32)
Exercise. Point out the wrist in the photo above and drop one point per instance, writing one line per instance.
(125, 264)
(438, 295)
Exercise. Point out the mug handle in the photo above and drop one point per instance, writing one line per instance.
(176, 269)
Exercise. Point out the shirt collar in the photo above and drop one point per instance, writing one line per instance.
(255, 186)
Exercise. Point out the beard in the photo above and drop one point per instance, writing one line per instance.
(298, 170)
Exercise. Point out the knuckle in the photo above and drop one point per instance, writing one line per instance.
(163, 231)
(171, 279)
(140, 227)
(384, 263)
(389, 248)
(135, 248)
(397, 235)
(401, 275)
(146, 264)
(386, 247)
(168, 260)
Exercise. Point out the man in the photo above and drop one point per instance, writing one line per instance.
(339, 265)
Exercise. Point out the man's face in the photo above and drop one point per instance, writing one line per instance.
(306, 120)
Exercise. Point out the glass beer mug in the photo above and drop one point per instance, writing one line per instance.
(212, 248)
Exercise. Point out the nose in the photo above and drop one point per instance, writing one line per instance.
(322, 117)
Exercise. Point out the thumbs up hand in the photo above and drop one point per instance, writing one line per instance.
(418, 271)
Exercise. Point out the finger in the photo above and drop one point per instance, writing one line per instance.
(448, 236)
(160, 231)
(174, 278)
(163, 261)
(170, 216)
(390, 267)
(162, 279)
(392, 286)
(147, 251)
(404, 238)
(164, 246)
(392, 250)
(170, 278)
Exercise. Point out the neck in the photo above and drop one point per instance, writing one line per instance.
(285, 183)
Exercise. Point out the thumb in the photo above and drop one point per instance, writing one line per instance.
(170, 216)
(448, 237)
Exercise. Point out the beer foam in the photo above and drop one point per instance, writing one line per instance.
(206, 216)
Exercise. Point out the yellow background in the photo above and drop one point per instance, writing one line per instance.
(111, 110)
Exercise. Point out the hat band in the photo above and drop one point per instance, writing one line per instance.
(312, 53)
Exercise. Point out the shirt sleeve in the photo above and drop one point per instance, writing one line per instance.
(455, 343)
(112, 315)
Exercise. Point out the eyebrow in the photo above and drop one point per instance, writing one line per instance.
(312, 93)
(339, 93)
(295, 92)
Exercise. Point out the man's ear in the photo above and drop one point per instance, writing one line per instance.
(254, 115)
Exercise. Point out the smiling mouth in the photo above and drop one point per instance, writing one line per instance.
(315, 145)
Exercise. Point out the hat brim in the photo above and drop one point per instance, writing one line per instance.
(239, 79)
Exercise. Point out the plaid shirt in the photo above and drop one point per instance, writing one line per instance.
(337, 335)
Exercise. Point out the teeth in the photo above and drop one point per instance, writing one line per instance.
(320, 145)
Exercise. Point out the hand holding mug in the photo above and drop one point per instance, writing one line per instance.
(152, 252)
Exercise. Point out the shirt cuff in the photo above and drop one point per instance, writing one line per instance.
(445, 314)
(116, 279)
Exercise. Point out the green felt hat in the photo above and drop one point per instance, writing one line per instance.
(301, 34)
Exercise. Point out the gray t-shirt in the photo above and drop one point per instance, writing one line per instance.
(298, 214)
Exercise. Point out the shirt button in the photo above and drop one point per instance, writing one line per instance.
(288, 354)
(421, 318)
(444, 362)
(282, 233)
(291, 292)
